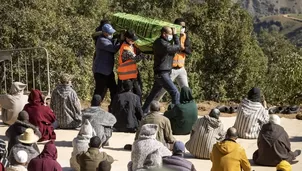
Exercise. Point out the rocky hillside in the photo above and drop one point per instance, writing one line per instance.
(271, 7)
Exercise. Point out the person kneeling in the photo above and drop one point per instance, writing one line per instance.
(273, 144)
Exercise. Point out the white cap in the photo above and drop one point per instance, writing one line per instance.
(21, 157)
(275, 119)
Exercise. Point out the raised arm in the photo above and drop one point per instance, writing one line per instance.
(108, 45)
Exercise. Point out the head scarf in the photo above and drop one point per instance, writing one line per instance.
(254, 95)
(86, 131)
(148, 131)
(49, 151)
(186, 95)
(96, 100)
(17, 88)
(35, 97)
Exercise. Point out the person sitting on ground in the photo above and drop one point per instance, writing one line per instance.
(102, 121)
(21, 159)
(81, 143)
(176, 162)
(147, 152)
(41, 116)
(66, 104)
(206, 132)
(27, 143)
(164, 134)
(3, 153)
(284, 166)
(90, 160)
(182, 116)
(127, 109)
(273, 144)
(13, 103)
(251, 115)
(228, 155)
(15, 130)
(47, 160)
(104, 166)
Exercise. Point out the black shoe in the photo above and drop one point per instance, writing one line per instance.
(128, 147)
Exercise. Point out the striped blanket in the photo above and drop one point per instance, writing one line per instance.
(251, 116)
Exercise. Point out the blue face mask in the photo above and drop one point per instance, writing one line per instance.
(170, 37)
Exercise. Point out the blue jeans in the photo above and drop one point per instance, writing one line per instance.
(162, 80)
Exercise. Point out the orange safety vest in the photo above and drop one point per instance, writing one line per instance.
(179, 58)
(128, 69)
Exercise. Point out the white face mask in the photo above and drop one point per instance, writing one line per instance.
(110, 36)
(170, 37)
(182, 31)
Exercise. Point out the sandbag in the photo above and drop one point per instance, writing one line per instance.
(147, 29)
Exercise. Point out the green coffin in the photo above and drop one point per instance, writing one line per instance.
(147, 29)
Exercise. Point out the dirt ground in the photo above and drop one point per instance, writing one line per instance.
(203, 108)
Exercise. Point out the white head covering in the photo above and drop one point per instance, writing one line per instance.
(275, 119)
(21, 157)
(17, 87)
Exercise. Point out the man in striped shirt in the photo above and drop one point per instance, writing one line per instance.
(251, 115)
(207, 131)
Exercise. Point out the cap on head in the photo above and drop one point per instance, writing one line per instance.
(107, 28)
(155, 106)
(179, 147)
(215, 113)
(130, 34)
(275, 119)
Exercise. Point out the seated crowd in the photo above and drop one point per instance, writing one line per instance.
(154, 146)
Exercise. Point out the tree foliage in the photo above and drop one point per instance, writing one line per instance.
(226, 61)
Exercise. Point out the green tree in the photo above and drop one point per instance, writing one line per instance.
(284, 71)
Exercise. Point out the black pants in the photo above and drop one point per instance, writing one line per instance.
(102, 83)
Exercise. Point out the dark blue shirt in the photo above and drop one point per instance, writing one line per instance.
(104, 60)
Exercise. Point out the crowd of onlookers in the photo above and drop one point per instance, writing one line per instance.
(154, 146)
(31, 119)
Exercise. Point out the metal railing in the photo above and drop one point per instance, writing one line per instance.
(6, 55)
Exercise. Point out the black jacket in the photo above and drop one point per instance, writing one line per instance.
(164, 53)
(177, 163)
(15, 130)
(126, 108)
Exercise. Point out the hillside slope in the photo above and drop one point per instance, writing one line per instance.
(271, 7)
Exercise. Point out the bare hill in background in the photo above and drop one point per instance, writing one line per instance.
(271, 7)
